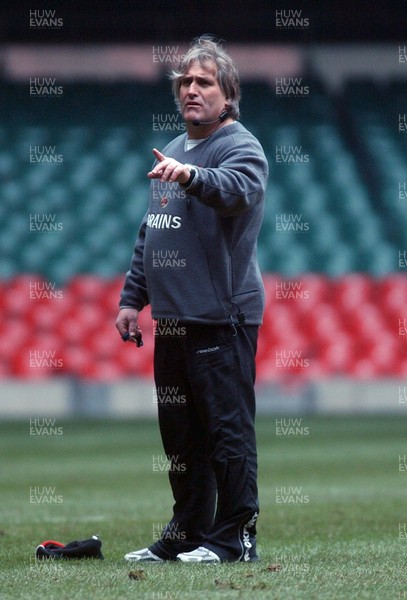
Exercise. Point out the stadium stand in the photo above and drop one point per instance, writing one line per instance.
(331, 249)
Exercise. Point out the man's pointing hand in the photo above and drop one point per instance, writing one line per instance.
(168, 169)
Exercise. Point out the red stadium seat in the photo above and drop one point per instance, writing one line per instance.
(352, 290)
(136, 361)
(392, 295)
(363, 368)
(105, 342)
(349, 326)
(88, 288)
(102, 370)
(323, 323)
(76, 360)
(337, 354)
(90, 316)
(366, 321)
(384, 355)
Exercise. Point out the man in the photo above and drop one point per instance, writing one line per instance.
(195, 263)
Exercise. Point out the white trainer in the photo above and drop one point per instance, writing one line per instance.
(144, 555)
(201, 555)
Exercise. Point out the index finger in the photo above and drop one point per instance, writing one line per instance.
(159, 155)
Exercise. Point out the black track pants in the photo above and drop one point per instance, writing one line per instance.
(204, 378)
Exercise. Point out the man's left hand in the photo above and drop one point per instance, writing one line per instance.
(168, 169)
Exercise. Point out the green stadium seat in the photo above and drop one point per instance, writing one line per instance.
(348, 192)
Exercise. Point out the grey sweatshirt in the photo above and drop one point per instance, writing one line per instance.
(195, 255)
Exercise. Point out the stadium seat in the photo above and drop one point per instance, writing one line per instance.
(348, 291)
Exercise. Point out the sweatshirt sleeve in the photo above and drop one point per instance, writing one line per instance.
(134, 293)
(237, 183)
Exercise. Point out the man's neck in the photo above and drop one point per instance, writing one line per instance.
(200, 132)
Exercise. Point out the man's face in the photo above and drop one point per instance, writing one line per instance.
(200, 94)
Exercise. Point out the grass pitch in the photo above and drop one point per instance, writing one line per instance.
(333, 520)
